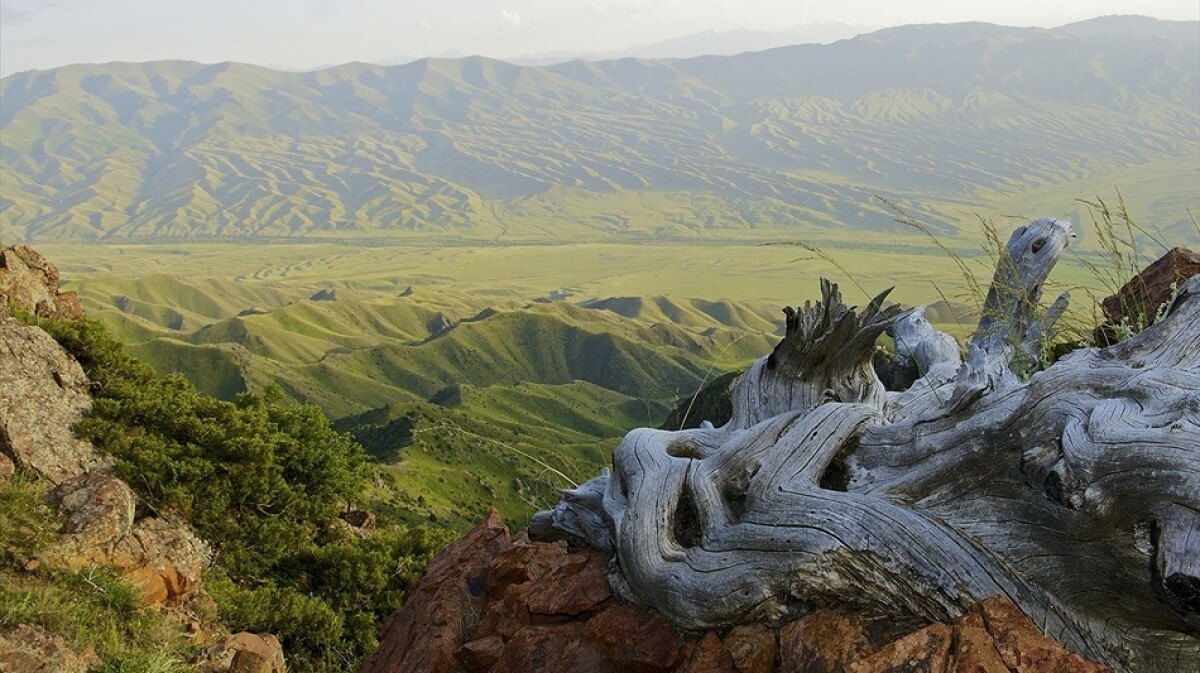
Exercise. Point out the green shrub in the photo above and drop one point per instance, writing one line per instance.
(262, 480)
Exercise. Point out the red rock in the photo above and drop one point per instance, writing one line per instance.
(1138, 301)
(162, 585)
(822, 642)
(926, 651)
(975, 652)
(576, 583)
(636, 640)
(709, 656)
(752, 648)
(480, 655)
(522, 562)
(424, 635)
(499, 620)
(552, 648)
(1020, 643)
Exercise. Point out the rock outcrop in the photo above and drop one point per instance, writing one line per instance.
(496, 603)
(43, 392)
(29, 282)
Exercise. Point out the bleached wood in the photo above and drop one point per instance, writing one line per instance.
(1073, 490)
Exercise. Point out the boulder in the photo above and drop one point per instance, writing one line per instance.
(822, 642)
(494, 604)
(481, 654)
(98, 509)
(30, 283)
(575, 583)
(975, 652)
(552, 648)
(1018, 641)
(522, 561)
(163, 558)
(926, 651)
(637, 641)
(43, 393)
(243, 652)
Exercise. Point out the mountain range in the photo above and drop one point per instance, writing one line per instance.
(943, 120)
(708, 43)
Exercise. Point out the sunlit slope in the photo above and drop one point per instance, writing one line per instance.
(505, 447)
(947, 119)
(469, 400)
(359, 350)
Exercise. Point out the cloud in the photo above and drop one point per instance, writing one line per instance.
(511, 17)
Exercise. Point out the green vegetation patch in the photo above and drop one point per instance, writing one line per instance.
(262, 480)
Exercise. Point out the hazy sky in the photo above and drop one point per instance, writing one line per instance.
(309, 33)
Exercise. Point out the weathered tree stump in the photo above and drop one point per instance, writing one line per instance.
(1074, 490)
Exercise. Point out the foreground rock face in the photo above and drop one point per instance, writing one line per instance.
(495, 603)
(43, 392)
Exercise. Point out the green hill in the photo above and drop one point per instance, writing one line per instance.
(946, 119)
(469, 399)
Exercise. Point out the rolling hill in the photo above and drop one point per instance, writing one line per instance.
(943, 119)
(465, 397)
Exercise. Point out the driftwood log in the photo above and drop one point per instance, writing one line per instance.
(1074, 490)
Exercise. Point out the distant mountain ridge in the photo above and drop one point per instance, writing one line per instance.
(944, 119)
(711, 43)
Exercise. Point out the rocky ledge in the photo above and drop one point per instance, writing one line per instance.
(497, 603)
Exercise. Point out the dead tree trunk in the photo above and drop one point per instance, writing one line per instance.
(1074, 490)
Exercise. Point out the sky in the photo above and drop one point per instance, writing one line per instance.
(302, 34)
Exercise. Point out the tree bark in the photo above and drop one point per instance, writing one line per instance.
(1074, 490)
